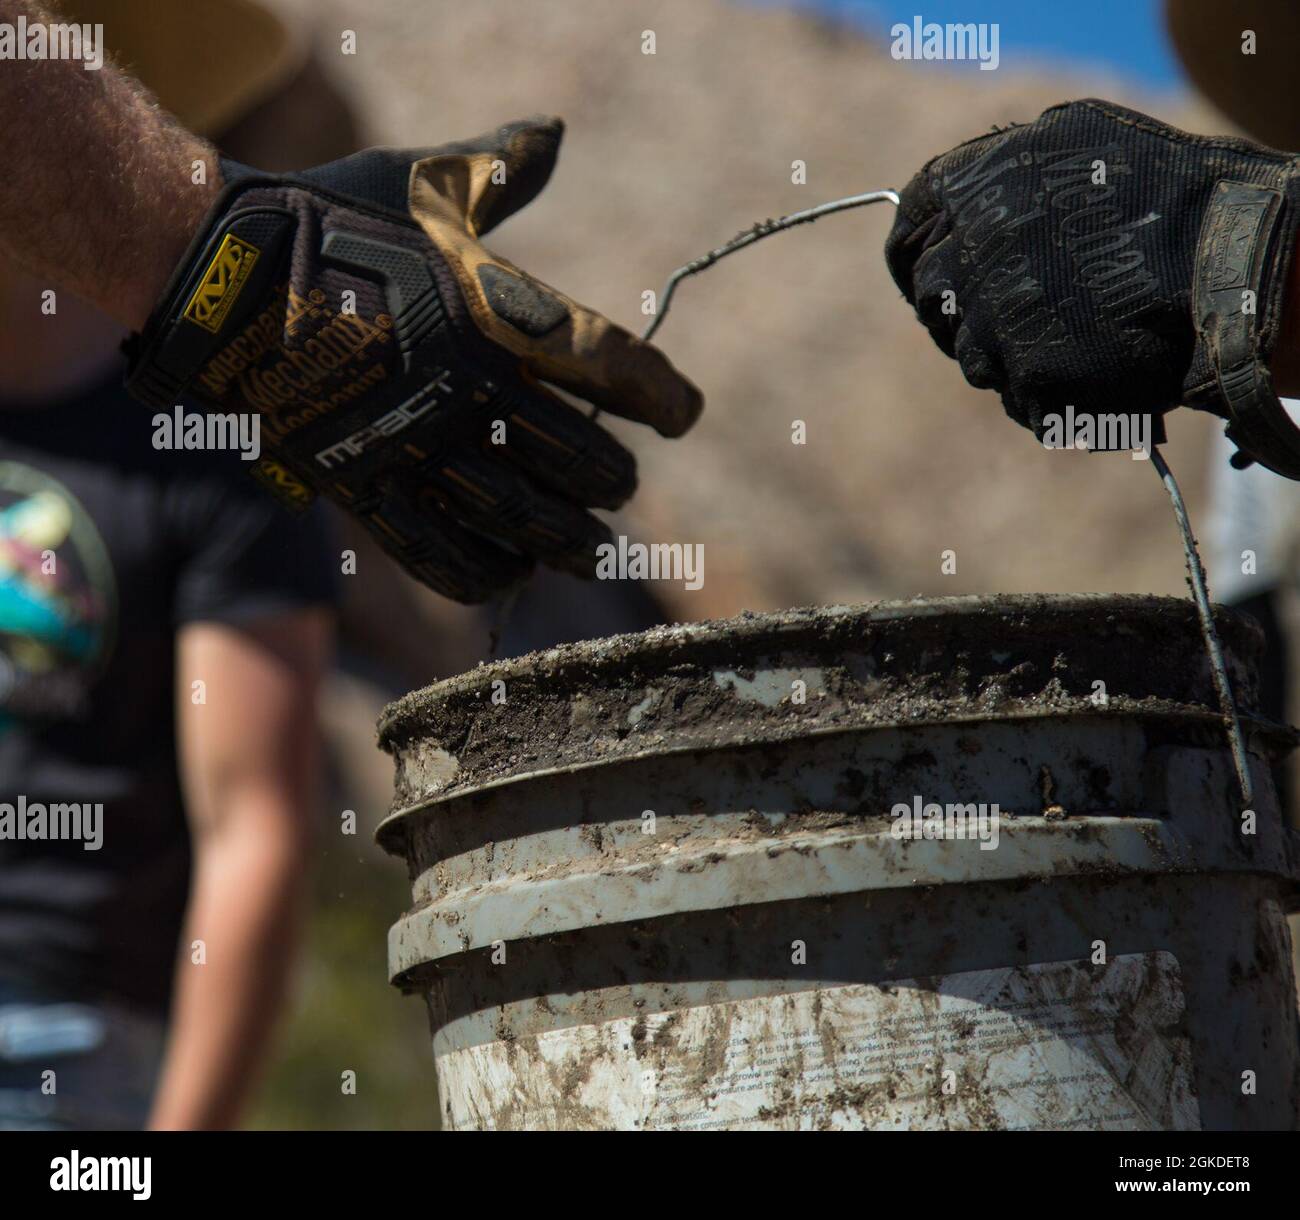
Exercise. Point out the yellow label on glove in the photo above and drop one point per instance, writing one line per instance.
(221, 282)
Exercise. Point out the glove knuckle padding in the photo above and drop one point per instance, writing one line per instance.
(1107, 261)
(396, 362)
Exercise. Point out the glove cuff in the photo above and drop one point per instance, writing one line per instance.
(1246, 244)
(230, 266)
(234, 171)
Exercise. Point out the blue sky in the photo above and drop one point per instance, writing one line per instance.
(1125, 36)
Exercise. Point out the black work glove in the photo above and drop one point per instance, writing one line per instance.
(398, 365)
(1099, 259)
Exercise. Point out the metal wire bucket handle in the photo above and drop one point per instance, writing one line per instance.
(764, 228)
(1195, 571)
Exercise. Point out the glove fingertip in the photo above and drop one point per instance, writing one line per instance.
(685, 407)
(540, 134)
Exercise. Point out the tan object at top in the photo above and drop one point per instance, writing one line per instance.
(1259, 92)
(208, 62)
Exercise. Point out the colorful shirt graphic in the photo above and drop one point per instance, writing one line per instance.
(58, 598)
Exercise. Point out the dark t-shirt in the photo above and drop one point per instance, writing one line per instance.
(108, 546)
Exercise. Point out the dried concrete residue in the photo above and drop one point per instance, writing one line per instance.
(698, 686)
(771, 687)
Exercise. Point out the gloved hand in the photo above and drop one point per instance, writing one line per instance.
(1099, 259)
(398, 364)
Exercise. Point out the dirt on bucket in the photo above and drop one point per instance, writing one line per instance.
(773, 677)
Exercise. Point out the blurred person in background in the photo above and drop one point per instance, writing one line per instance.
(164, 626)
(82, 937)
(1252, 559)
(1252, 531)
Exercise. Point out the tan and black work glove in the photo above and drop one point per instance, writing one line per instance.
(399, 366)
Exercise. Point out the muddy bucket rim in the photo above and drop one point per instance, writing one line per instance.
(971, 659)
(788, 625)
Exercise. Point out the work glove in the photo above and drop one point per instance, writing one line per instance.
(1101, 260)
(399, 366)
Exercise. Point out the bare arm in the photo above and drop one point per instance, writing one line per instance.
(248, 759)
(96, 190)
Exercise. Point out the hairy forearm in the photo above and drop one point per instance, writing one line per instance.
(97, 190)
(245, 908)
